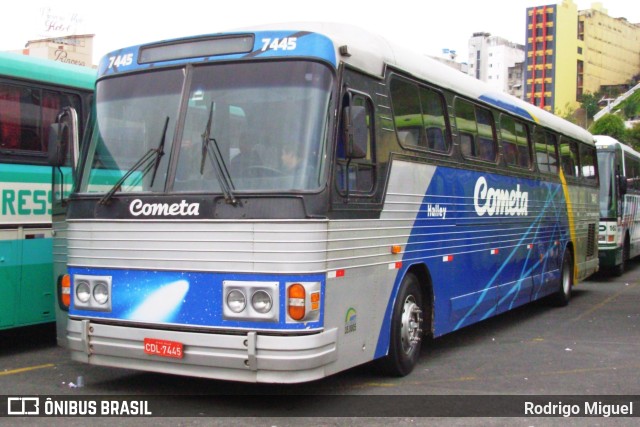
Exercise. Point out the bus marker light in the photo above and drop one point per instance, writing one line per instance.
(315, 300)
(335, 274)
(396, 249)
(495, 251)
(530, 246)
(395, 265)
(296, 296)
(447, 258)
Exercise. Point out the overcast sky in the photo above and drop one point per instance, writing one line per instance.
(425, 26)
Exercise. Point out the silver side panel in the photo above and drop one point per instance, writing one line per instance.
(355, 300)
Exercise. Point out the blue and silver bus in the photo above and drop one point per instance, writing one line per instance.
(33, 92)
(619, 233)
(283, 203)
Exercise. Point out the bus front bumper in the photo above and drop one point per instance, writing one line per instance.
(250, 357)
(609, 257)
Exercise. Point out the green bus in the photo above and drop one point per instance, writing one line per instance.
(33, 93)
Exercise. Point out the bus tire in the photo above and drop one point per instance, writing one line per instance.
(406, 329)
(563, 295)
(619, 269)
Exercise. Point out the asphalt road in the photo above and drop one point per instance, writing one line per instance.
(587, 349)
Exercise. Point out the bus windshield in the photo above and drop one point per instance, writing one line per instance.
(606, 168)
(249, 127)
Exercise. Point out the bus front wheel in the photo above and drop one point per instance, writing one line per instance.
(406, 329)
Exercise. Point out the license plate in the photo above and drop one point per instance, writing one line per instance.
(163, 348)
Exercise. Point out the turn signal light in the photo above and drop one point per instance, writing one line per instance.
(296, 301)
(64, 292)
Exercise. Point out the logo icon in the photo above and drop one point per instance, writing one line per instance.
(23, 406)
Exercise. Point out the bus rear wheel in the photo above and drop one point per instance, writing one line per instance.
(406, 329)
(563, 295)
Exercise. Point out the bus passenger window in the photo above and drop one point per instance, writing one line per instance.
(477, 131)
(466, 145)
(589, 162)
(419, 116)
(552, 146)
(26, 115)
(515, 142)
(546, 155)
(569, 157)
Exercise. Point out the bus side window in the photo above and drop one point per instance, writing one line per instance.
(466, 145)
(419, 116)
(545, 147)
(433, 120)
(477, 131)
(569, 157)
(10, 134)
(552, 146)
(515, 142)
(26, 115)
(589, 163)
(361, 174)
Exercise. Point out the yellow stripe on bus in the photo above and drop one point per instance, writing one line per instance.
(571, 217)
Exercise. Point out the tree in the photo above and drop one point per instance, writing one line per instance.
(589, 103)
(609, 124)
(633, 136)
(630, 108)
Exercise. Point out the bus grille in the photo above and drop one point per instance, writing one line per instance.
(591, 241)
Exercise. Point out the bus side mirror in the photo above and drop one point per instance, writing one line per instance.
(58, 144)
(622, 184)
(63, 138)
(356, 132)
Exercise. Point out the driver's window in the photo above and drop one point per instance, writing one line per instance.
(361, 172)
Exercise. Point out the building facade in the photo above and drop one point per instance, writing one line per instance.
(570, 53)
(77, 49)
(498, 62)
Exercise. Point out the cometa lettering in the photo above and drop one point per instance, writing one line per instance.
(498, 201)
(137, 208)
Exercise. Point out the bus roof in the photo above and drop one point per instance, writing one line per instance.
(606, 141)
(46, 71)
(372, 54)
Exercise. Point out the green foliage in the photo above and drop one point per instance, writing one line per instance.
(633, 137)
(609, 124)
(589, 103)
(630, 106)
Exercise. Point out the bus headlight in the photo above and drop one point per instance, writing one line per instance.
(92, 292)
(236, 301)
(261, 301)
(83, 292)
(101, 293)
(263, 306)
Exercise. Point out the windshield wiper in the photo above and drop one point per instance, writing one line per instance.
(217, 162)
(145, 162)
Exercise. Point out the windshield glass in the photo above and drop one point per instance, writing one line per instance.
(606, 169)
(267, 121)
(245, 127)
(131, 114)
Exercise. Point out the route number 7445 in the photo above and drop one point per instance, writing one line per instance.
(286, 43)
